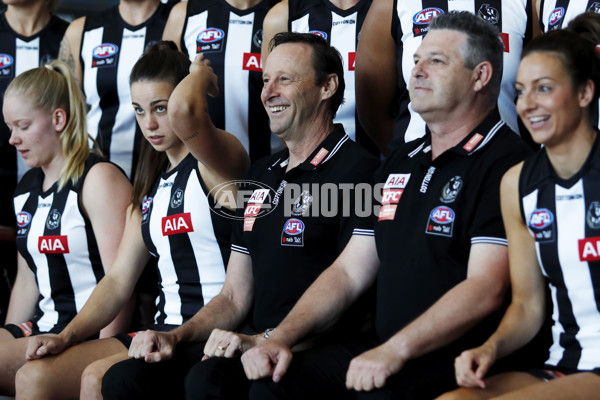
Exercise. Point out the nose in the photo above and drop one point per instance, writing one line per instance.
(151, 124)
(418, 70)
(525, 101)
(14, 138)
(268, 91)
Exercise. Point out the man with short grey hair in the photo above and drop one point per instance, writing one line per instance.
(436, 248)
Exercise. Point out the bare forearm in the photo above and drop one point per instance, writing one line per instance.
(320, 307)
(104, 304)
(519, 325)
(455, 313)
(221, 312)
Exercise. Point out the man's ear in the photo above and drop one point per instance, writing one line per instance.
(330, 87)
(59, 119)
(482, 75)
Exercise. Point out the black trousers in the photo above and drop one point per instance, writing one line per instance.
(320, 374)
(137, 379)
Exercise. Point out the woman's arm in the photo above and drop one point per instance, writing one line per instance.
(526, 313)
(24, 295)
(220, 152)
(111, 294)
(105, 195)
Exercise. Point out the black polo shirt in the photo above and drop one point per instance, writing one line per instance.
(431, 214)
(304, 222)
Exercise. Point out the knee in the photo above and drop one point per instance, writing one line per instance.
(112, 384)
(34, 379)
(91, 382)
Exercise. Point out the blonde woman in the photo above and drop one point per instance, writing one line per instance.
(70, 210)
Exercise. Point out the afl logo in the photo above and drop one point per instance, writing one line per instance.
(319, 33)
(442, 215)
(146, 204)
(294, 227)
(105, 50)
(211, 35)
(5, 60)
(540, 219)
(23, 219)
(556, 15)
(425, 16)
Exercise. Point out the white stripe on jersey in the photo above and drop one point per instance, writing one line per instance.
(207, 253)
(301, 25)
(83, 280)
(529, 203)
(343, 38)
(90, 40)
(123, 134)
(27, 56)
(574, 9)
(570, 227)
(195, 24)
(37, 225)
(236, 78)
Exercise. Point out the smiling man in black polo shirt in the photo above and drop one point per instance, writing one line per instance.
(293, 226)
(437, 247)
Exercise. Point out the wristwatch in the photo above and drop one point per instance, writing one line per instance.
(268, 333)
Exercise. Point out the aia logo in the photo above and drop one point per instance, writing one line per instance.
(540, 219)
(319, 33)
(251, 62)
(105, 50)
(294, 227)
(211, 35)
(589, 249)
(442, 215)
(178, 223)
(23, 219)
(146, 204)
(5, 60)
(425, 16)
(556, 15)
(53, 244)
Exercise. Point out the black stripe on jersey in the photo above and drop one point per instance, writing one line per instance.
(592, 194)
(109, 98)
(57, 267)
(191, 297)
(215, 104)
(259, 142)
(30, 204)
(551, 263)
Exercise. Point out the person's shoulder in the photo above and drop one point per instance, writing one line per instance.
(509, 146)
(100, 18)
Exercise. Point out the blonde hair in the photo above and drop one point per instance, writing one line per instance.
(51, 87)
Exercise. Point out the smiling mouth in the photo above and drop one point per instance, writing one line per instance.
(276, 109)
(538, 119)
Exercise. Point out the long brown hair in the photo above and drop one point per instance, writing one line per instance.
(162, 61)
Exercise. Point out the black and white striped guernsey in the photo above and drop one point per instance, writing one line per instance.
(231, 39)
(563, 216)
(109, 49)
(341, 29)
(19, 54)
(410, 24)
(191, 242)
(58, 243)
(556, 14)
